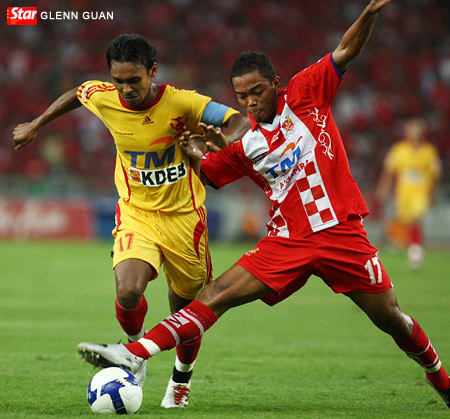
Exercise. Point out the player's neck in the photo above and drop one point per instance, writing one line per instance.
(156, 88)
(152, 95)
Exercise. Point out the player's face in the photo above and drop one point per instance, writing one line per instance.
(257, 95)
(133, 82)
(415, 131)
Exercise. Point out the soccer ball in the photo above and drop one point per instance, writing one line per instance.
(114, 391)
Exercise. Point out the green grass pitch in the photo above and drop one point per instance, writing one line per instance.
(313, 356)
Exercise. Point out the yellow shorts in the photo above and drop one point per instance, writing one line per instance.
(179, 242)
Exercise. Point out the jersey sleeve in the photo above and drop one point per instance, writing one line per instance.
(216, 114)
(88, 95)
(225, 166)
(195, 105)
(229, 112)
(317, 84)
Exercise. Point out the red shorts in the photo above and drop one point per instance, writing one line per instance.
(341, 255)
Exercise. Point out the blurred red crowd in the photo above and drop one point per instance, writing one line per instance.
(404, 71)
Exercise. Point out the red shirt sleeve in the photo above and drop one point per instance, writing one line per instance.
(228, 165)
(225, 166)
(316, 85)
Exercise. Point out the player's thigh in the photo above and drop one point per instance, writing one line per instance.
(347, 262)
(187, 260)
(134, 243)
(234, 287)
(135, 237)
(283, 264)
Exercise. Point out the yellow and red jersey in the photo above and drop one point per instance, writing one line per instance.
(416, 168)
(152, 173)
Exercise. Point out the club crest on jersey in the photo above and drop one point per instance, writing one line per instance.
(178, 123)
(288, 125)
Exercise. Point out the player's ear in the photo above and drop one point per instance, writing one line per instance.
(154, 70)
(276, 83)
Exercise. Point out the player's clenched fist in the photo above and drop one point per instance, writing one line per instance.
(23, 134)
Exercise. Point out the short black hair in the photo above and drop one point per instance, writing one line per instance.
(131, 48)
(250, 61)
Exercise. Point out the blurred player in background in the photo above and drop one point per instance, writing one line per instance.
(295, 153)
(160, 216)
(413, 165)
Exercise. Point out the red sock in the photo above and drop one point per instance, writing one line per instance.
(132, 320)
(415, 234)
(187, 352)
(419, 348)
(183, 326)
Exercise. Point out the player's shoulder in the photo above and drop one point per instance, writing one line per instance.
(94, 87)
(173, 90)
(184, 100)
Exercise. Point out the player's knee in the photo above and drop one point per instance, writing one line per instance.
(129, 301)
(394, 322)
(128, 295)
(217, 297)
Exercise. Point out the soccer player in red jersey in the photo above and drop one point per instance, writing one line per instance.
(294, 152)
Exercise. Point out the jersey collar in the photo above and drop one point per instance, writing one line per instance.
(280, 106)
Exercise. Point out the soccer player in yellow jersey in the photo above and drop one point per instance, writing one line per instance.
(160, 215)
(413, 164)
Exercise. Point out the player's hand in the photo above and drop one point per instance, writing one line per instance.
(23, 134)
(192, 144)
(213, 137)
(376, 5)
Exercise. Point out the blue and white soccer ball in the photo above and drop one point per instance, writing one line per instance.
(114, 391)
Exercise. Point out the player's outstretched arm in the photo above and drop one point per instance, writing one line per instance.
(232, 130)
(235, 128)
(357, 35)
(24, 134)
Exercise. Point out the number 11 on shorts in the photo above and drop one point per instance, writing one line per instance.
(370, 267)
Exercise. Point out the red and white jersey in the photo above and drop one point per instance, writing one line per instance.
(299, 160)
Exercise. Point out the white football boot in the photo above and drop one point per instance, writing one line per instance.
(177, 394)
(113, 355)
